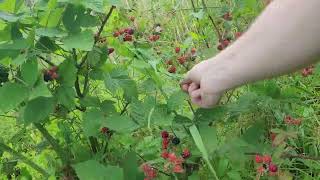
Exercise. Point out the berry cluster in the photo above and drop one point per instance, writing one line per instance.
(154, 38)
(181, 59)
(291, 121)
(174, 162)
(51, 74)
(307, 71)
(267, 165)
(149, 171)
(126, 34)
(223, 44)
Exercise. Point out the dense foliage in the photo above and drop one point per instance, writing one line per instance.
(90, 90)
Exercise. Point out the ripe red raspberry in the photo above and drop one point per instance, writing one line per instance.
(193, 50)
(177, 169)
(182, 59)
(225, 43)
(177, 49)
(110, 50)
(164, 134)
(273, 168)
(267, 159)
(128, 38)
(186, 153)
(116, 34)
(165, 154)
(258, 159)
(172, 69)
(104, 130)
(165, 143)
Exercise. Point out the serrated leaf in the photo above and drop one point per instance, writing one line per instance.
(40, 89)
(176, 100)
(130, 164)
(82, 41)
(120, 123)
(11, 95)
(38, 109)
(51, 32)
(9, 17)
(29, 71)
(66, 96)
(92, 122)
(67, 72)
(92, 169)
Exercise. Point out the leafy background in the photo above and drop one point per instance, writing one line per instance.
(52, 130)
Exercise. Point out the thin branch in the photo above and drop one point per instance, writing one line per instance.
(97, 36)
(24, 159)
(212, 21)
(55, 145)
(46, 60)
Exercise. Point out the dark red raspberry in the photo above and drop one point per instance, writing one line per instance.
(110, 50)
(165, 143)
(220, 47)
(182, 59)
(273, 168)
(186, 153)
(104, 130)
(165, 154)
(128, 38)
(172, 69)
(164, 134)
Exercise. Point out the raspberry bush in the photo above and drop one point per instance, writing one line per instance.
(89, 89)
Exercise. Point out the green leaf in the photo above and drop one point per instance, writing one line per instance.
(66, 96)
(29, 71)
(130, 164)
(11, 95)
(176, 100)
(120, 123)
(92, 122)
(70, 18)
(198, 141)
(82, 41)
(52, 18)
(90, 101)
(92, 169)
(96, 5)
(9, 17)
(68, 72)
(38, 109)
(40, 89)
(51, 32)
(209, 137)
(198, 15)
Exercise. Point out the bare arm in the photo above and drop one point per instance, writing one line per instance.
(284, 38)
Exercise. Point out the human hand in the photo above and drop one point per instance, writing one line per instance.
(202, 83)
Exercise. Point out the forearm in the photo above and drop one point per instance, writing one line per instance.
(283, 39)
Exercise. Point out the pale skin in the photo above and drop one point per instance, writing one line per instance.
(283, 39)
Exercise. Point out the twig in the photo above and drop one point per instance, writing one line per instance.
(24, 159)
(46, 60)
(55, 145)
(212, 21)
